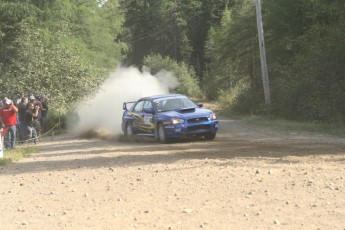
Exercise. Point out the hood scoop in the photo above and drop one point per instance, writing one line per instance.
(186, 110)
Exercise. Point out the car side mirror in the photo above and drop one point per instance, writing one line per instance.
(200, 105)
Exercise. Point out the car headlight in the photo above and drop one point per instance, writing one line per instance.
(213, 116)
(176, 121)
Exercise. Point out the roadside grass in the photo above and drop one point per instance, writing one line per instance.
(285, 125)
(13, 155)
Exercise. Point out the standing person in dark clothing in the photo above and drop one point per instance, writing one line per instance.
(30, 115)
(22, 106)
(36, 121)
(44, 111)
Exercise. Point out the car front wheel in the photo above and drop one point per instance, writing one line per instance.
(162, 137)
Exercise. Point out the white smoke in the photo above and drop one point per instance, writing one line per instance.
(104, 110)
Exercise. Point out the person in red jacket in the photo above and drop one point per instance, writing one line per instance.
(8, 114)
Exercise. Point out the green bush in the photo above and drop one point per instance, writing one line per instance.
(56, 120)
(241, 99)
(185, 74)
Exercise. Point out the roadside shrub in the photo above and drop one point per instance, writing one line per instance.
(185, 74)
(241, 99)
(14, 155)
(56, 119)
(213, 85)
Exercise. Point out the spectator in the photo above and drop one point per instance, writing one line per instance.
(30, 115)
(9, 118)
(36, 121)
(21, 96)
(22, 107)
(44, 111)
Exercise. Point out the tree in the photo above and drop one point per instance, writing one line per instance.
(232, 50)
(177, 29)
(306, 62)
(154, 27)
(188, 82)
(54, 46)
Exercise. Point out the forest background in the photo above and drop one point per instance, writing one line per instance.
(67, 48)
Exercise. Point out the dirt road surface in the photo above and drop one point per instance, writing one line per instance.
(247, 178)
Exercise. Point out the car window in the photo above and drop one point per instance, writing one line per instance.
(147, 105)
(139, 106)
(169, 104)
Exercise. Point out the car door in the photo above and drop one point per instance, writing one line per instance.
(147, 118)
(143, 117)
(136, 114)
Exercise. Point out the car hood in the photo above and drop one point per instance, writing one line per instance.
(188, 113)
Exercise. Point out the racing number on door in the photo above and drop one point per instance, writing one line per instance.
(147, 120)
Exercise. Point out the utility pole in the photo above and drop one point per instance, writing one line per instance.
(265, 78)
(175, 31)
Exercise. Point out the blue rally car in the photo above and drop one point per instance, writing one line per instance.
(167, 117)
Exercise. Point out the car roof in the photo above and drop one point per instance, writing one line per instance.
(162, 96)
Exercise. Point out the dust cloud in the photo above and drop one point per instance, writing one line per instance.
(103, 112)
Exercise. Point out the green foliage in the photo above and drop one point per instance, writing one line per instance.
(13, 155)
(15, 11)
(307, 84)
(177, 29)
(304, 53)
(185, 74)
(155, 27)
(63, 48)
(41, 65)
(232, 51)
(56, 120)
(241, 99)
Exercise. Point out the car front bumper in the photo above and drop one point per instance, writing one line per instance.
(182, 130)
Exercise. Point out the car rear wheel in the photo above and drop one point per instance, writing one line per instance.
(162, 137)
(210, 136)
(129, 132)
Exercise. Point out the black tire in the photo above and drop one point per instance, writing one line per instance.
(210, 136)
(162, 136)
(129, 132)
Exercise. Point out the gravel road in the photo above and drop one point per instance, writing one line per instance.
(247, 178)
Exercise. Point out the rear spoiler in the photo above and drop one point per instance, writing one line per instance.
(128, 105)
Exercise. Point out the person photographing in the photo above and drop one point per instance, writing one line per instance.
(31, 115)
(8, 114)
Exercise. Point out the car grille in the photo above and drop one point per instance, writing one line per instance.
(197, 120)
(198, 127)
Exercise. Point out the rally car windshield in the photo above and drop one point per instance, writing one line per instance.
(176, 103)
